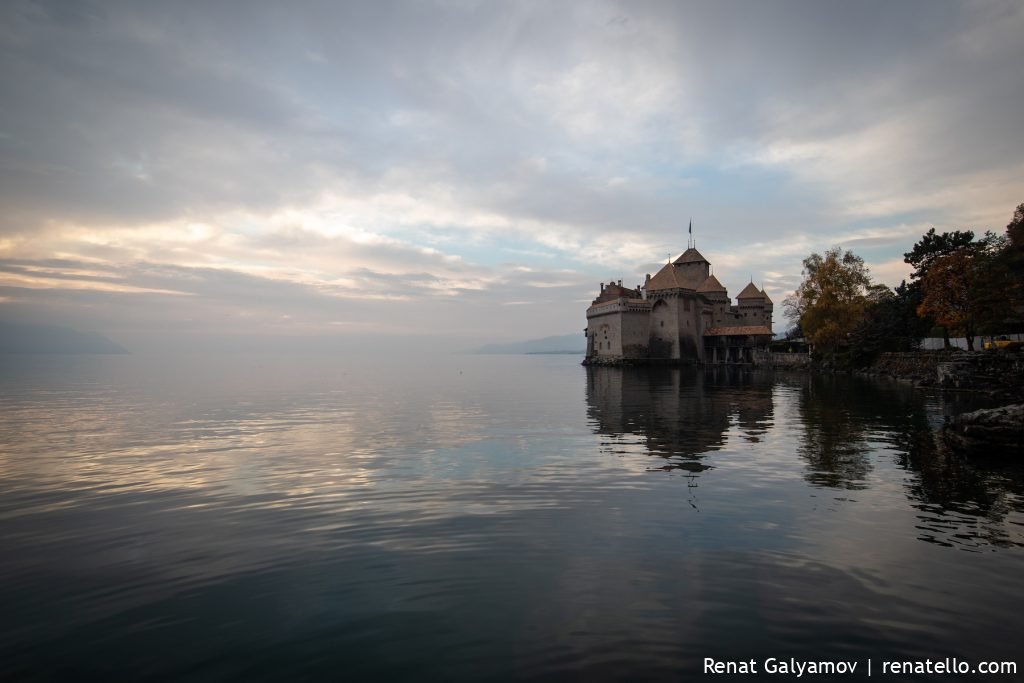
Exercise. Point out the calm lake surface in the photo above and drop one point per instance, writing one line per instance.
(486, 518)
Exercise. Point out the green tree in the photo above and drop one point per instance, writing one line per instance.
(931, 247)
(966, 289)
(1015, 229)
(993, 286)
(890, 323)
(1013, 261)
(832, 299)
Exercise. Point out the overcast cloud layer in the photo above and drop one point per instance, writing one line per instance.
(452, 172)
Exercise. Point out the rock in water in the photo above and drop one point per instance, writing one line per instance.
(988, 430)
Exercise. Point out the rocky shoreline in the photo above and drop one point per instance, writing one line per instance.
(1000, 375)
(997, 375)
(994, 431)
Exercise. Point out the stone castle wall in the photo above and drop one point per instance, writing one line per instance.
(635, 334)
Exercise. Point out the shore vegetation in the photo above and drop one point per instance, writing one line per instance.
(961, 284)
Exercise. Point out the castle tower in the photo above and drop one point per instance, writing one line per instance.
(714, 291)
(768, 309)
(692, 268)
(751, 305)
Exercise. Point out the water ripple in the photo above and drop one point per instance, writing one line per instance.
(510, 518)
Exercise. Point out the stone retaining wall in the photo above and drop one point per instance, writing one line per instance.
(772, 359)
(916, 365)
(991, 372)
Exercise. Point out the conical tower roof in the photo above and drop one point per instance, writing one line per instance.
(711, 285)
(666, 278)
(691, 255)
(750, 292)
(765, 295)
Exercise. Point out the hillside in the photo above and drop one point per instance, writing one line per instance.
(15, 338)
(566, 343)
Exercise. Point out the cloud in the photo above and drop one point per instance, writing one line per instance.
(386, 157)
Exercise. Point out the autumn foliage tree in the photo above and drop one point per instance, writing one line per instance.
(947, 293)
(967, 288)
(832, 299)
(963, 284)
(930, 248)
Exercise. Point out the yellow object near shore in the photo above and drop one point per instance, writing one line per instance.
(998, 343)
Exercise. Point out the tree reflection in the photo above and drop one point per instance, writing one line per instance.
(833, 441)
(962, 501)
(849, 433)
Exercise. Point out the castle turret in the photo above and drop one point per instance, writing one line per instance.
(768, 308)
(750, 292)
(692, 267)
(688, 271)
(751, 305)
(713, 290)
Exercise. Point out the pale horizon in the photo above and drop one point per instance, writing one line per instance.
(437, 176)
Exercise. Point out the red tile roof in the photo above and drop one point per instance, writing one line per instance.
(669, 277)
(711, 285)
(691, 255)
(750, 292)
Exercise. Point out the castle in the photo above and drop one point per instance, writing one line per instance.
(683, 314)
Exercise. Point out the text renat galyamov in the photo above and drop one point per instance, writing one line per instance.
(778, 666)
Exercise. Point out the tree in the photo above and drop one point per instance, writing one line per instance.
(831, 300)
(966, 288)
(927, 250)
(993, 286)
(1013, 261)
(932, 246)
(890, 323)
(1015, 229)
(906, 329)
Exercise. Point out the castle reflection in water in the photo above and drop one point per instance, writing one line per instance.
(681, 414)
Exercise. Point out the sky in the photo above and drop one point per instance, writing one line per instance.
(442, 174)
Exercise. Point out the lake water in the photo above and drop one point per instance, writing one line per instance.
(474, 518)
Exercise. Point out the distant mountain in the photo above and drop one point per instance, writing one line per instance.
(566, 343)
(53, 339)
